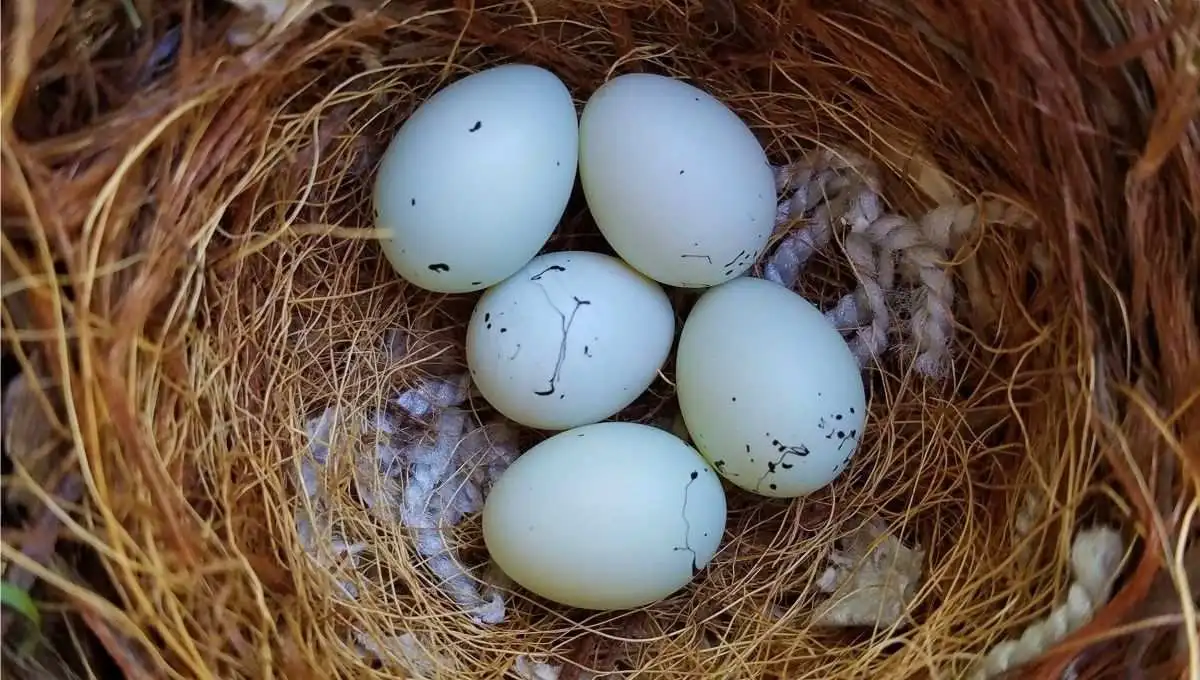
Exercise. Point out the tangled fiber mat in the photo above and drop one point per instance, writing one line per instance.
(195, 311)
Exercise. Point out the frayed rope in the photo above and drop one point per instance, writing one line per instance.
(1096, 555)
(837, 193)
(444, 480)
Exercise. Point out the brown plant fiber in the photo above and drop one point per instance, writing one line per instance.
(188, 261)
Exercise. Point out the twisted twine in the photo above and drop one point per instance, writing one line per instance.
(838, 192)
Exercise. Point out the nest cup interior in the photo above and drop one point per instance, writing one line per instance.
(259, 299)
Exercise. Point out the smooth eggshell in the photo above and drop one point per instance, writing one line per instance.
(768, 388)
(475, 181)
(571, 339)
(676, 182)
(605, 516)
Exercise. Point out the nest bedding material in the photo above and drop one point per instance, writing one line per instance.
(188, 274)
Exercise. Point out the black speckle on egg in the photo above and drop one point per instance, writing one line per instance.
(681, 172)
(412, 201)
(837, 416)
(694, 474)
(851, 408)
(477, 283)
(439, 267)
(733, 399)
(503, 330)
(773, 487)
(475, 128)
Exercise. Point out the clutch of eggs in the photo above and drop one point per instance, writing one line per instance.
(571, 339)
(676, 182)
(477, 178)
(768, 389)
(605, 516)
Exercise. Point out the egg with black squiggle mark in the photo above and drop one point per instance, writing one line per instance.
(768, 389)
(677, 183)
(605, 516)
(570, 339)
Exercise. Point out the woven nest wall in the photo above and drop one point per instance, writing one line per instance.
(193, 302)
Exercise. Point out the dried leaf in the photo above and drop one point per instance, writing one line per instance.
(32, 437)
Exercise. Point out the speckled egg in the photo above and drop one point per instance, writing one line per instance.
(571, 339)
(677, 183)
(476, 180)
(605, 516)
(768, 389)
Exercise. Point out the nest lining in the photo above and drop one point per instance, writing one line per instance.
(220, 289)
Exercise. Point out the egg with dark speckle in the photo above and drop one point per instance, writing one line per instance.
(676, 181)
(605, 516)
(477, 178)
(571, 339)
(768, 389)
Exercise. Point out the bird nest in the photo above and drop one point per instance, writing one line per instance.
(238, 445)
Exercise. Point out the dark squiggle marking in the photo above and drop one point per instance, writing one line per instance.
(780, 462)
(478, 124)
(587, 352)
(720, 465)
(737, 257)
(552, 268)
(514, 356)
(841, 435)
(439, 267)
(853, 436)
(687, 525)
(567, 321)
(705, 257)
